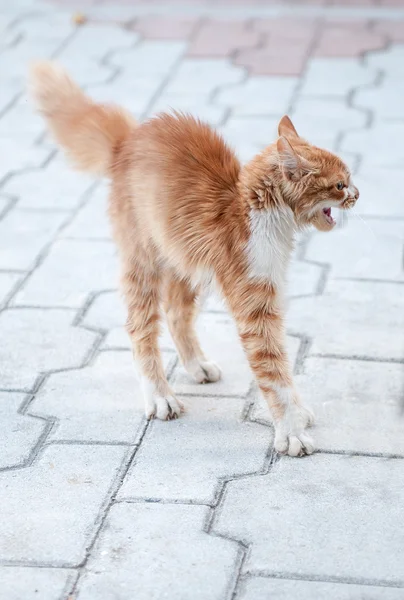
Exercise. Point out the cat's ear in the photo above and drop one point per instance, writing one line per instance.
(286, 128)
(293, 165)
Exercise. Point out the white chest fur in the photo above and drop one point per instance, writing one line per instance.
(270, 244)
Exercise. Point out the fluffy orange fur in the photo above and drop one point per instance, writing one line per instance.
(185, 213)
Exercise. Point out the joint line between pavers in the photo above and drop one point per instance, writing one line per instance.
(323, 578)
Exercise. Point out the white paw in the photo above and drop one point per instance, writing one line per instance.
(165, 407)
(204, 371)
(290, 435)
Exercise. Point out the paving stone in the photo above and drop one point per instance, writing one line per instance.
(109, 407)
(39, 501)
(137, 538)
(91, 222)
(195, 104)
(71, 271)
(315, 524)
(393, 30)
(41, 341)
(135, 93)
(283, 589)
(18, 433)
(16, 155)
(33, 583)
(21, 121)
(357, 405)
(149, 58)
(389, 61)
(209, 442)
(164, 27)
(362, 249)
(379, 147)
(35, 228)
(203, 75)
(220, 343)
(7, 283)
(222, 38)
(351, 306)
(384, 101)
(250, 135)
(259, 96)
(381, 192)
(40, 38)
(346, 74)
(338, 40)
(56, 186)
(106, 312)
(92, 43)
(303, 278)
(323, 120)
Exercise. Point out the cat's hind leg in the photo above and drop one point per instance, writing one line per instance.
(180, 304)
(141, 287)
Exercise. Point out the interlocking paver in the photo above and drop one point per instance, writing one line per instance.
(35, 228)
(19, 433)
(283, 589)
(379, 147)
(222, 38)
(17, 156)
(7, 283)
(33, 583)
(41, 341)
(135, 556)
(357, 405)
(203, 75)
(53, 187)
(164, 27)
(322, 121)
(101, 403)
(341, 74)
(308, 526)
(389, 61)
(349, 306)
(259, 96)
(91, 221)
(316, 523)
(378, 254)
(209, 442)
(340, 40)
(381, 192)
(72, 270)
(39, 501)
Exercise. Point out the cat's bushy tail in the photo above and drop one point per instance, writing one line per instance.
(91, 134)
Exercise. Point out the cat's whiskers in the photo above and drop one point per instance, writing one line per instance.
(365, 222)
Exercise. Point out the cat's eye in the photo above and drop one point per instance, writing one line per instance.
(340, 186)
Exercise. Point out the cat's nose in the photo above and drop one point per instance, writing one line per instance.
(353, 192)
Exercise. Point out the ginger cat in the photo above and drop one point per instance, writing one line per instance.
(184, 213)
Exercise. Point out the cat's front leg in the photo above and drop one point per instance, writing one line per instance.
(258, 311)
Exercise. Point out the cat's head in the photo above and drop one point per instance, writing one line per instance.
(313, 181)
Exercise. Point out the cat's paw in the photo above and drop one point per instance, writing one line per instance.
(290, 435)
(165, 408)
(204, 371)
(161, 406)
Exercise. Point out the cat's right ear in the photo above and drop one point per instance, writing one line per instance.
(286, 128)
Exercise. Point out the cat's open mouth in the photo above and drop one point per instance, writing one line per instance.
(328, 217)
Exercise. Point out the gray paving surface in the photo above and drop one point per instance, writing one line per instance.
(97, 504)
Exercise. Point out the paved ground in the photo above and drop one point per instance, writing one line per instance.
(97, 504)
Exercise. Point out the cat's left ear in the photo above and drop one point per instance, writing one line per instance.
(286, 128)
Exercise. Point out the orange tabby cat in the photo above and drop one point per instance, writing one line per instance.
(185, 213)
